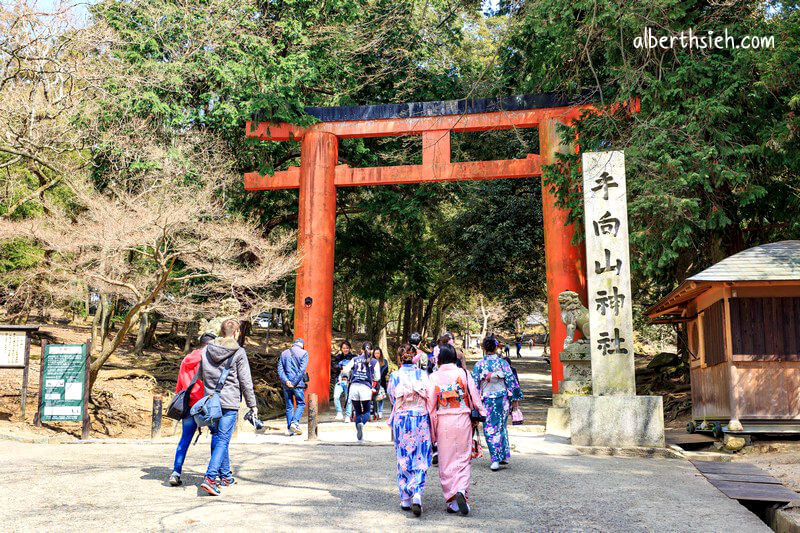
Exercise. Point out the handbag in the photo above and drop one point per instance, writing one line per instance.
(208, 410)
(476, 445)
(474, 414)
(178, 407)
(516, 416)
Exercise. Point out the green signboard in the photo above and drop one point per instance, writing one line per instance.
(63, 382)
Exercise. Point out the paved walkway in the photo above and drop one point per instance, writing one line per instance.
(121, 487)
(287, 483)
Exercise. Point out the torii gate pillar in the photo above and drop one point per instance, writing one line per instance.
(565, 262)
(316, 236)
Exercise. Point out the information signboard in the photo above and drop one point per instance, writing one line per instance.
(12, 349)
(63, 382)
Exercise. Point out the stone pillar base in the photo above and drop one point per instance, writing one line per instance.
(617, 421)
(557, 422)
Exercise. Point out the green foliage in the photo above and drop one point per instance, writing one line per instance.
(712, 159)
(19, 254)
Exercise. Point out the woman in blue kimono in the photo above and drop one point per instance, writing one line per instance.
(408, 391)
(500, 392)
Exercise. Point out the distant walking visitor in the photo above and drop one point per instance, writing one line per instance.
(345, 356)
(498, 387)
(364, 377)
(292, 367)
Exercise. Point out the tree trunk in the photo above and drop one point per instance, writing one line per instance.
(426, 316)
(398, 331)
(149, 338)
(406, 318)
(288, 321)
(174, 329)
(107, 306)
(438, 318)
(371, 313)
(349, 323)
(96, 325)
(485, 316)
(144, 322)
(191, 332)
(382, 325)
(245, 327)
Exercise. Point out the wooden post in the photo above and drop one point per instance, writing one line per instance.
(155, 426)
(37, 420)
(86, 425)
(24, 399)
(313, 415)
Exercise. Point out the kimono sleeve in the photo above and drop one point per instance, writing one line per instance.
(512, 384)
(393, 378)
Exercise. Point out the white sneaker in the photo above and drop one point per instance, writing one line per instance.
(339, 416)
(495, 466)
(296, 429)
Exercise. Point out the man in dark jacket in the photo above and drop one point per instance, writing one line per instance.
(292, 370)
(220, 353)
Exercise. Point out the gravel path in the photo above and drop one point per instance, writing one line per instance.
(121, 487)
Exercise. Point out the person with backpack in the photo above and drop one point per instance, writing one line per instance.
(364, 375)
(408, 390)
(226, 375)
(455, 408)
(498, 387)
(190, 366)
(292, 370)
(344, 357)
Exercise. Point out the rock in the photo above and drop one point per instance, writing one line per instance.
(664, 359)
(734, 444)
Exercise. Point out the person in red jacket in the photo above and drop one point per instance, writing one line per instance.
(189, 367)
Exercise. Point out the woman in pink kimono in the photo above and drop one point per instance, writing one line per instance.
(453, 395)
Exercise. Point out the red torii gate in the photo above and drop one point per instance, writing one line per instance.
(319, 174)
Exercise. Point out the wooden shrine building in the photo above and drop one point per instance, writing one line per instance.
(743, 322)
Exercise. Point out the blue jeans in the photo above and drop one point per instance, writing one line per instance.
(221, 433)
(362, 411)
(189, 427)
(293, 413)
(338, 390)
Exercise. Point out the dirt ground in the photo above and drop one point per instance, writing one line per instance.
(781, 458)
(122, 398)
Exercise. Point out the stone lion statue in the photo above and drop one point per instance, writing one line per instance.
(574, 315)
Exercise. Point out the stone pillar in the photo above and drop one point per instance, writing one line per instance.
(313, 305)
(613, 416)
(564, 261)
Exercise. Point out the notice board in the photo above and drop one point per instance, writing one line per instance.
(64, 380)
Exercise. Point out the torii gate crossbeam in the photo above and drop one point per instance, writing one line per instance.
(319, 174)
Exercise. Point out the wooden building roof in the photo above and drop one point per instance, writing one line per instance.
(777, 261)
